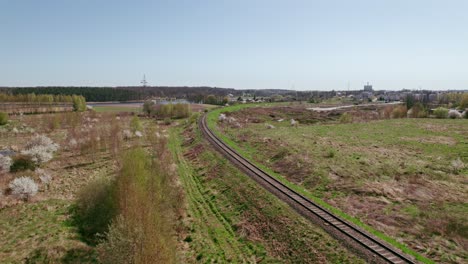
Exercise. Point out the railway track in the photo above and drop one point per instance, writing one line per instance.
(363, 243)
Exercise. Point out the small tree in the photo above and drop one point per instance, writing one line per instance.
(79, 103)
(211, 99)
(3, 118)
(23, 188)
(148, 107)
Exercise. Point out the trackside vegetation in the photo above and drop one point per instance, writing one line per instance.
(232, 219)
(212, 118)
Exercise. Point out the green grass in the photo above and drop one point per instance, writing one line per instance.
(249, 152)
(222, 200)
(41, 231)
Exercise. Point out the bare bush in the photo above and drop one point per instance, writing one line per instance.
(23, 188)
(399, 112)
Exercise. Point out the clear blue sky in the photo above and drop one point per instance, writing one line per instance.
(311, 45)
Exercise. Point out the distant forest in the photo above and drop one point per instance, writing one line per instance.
(192, 94)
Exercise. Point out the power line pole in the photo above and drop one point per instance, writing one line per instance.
(143, 82)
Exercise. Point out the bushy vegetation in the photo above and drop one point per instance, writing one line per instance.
(95, 209)
(346, 118)
(418, 110)
(91, 94)
(441, 112)
(23, 188)
(35, 97)
(135, 124)
(453, 114)
(40, 149)
(22, 163)
(171, 111)
(3, 118)
(79, 103)
(135, 213)
(399, 112)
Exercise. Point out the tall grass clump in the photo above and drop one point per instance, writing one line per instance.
(346, 118)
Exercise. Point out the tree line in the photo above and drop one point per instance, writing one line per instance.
(91, 94)
(78, 101)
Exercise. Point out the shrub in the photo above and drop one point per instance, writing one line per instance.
(118, 247)
(23, 188)
(330, 154)
(399, 112)
(454, 114)
(135, 124)
(79, 103)
(148, 107)
(346, 118)
(95, 208)
(418, 111)
(3, 118)
(441, 112)
(38, 154)
(167, 121)
(40, 149)
(22, 163)
(5, 163)
(127, 134)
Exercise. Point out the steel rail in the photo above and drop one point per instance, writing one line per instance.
(365, 240)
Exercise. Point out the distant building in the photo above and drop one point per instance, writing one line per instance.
(368, 87)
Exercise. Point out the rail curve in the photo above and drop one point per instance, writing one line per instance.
(363, 243)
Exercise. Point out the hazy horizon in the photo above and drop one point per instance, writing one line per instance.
(293, 45)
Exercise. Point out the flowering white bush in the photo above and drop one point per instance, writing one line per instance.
(23, 188)
(38, 154)
(42, 140)
(5, 163)
(127, 134)
(73, 142)
(40, 148)
(43, 176)
(138, 134)
(454, 114)
(222, 117)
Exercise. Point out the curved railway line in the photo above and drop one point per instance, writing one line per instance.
(361, 242)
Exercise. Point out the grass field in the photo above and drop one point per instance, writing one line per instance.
(388, 173)
(232, 219)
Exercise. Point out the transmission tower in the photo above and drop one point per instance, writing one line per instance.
(143, 82)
